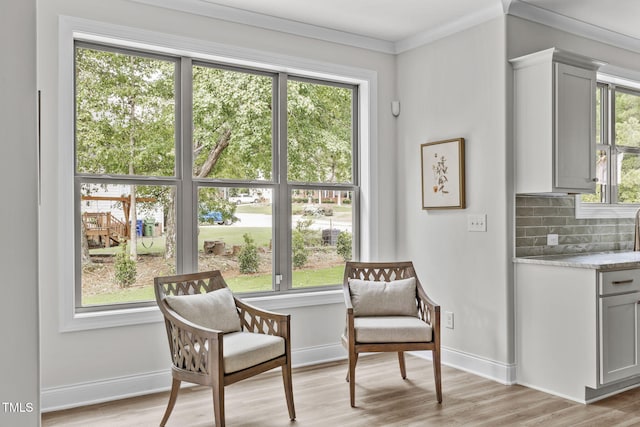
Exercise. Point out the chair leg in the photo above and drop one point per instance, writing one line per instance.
(351, 377)
(218, 404)
(347, 377)
(288, 390)
(175, 387)
(403, 369)
(436, 374)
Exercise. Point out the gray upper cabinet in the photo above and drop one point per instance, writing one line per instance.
(555, 112)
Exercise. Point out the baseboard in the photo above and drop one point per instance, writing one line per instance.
(497, 371)
(89, 393)
(317, 354)
(82, 394)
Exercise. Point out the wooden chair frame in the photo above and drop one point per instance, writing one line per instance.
(197, 352)
(428, 311)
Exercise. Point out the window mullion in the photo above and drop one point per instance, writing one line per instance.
(187, 237)
(281, 206)
(611, 140)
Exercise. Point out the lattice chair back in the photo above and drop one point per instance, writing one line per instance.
(381, 272)
(187, 285)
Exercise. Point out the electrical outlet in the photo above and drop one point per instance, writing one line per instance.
(552, 239)
(448, 319)
(477, 222)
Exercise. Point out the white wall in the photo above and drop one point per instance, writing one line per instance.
(19, 375)
(78, 367)
(452, 88)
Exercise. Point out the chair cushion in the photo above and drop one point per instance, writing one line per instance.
(213, 310)
(243, 350)
(377, 298)
(391, 329)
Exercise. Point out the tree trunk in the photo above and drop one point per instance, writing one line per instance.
(214, 154)
(85, 257)
(170, 236)
(133, 214)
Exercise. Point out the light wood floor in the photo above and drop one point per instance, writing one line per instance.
(383, 399)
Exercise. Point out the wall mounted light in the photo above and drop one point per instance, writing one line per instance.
(395, 108)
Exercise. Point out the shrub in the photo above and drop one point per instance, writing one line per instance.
(248, 256)
(125, 268)
(300, 252)
(343, 245)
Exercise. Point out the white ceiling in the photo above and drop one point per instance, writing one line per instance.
(389, 20)
(396, 25)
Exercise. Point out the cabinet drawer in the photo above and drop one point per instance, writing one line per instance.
(615, 282)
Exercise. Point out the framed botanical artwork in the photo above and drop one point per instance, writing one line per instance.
(443, 174)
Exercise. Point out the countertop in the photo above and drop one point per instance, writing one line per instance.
(597, 261)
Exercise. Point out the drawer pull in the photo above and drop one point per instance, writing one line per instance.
(621, 282)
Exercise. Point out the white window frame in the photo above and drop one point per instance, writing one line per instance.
(625, 78)
(71, 29)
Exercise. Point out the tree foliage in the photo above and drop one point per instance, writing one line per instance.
(126, 115)
(627, 131)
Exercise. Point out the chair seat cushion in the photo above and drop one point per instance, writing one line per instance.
(379, 329)
(243, 350)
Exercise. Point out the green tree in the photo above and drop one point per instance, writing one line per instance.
(125, 118)
(126, 115)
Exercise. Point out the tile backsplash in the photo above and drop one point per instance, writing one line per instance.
(537, 216)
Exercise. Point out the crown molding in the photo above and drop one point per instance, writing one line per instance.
(464, 22)
(522, 9)
(239, 16)
(225, 13)
(517, 8)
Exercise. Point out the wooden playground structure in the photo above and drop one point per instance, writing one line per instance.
(105, 230)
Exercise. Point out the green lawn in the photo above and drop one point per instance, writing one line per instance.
(233, 235)
(239, 284)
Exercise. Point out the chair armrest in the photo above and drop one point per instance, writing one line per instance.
(347, 297)
(260, 321)
(428, 310)
(191, 344)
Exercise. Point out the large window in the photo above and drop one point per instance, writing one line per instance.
(618, 146)
(185, 165)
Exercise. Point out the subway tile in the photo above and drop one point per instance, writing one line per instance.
(529, 221)
(554, 220)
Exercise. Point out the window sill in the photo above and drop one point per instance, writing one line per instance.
(588, 210)
(144, 315)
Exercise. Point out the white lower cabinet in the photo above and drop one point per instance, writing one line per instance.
(619, 327)
(577, 330)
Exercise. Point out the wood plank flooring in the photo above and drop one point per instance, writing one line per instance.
(383, 399)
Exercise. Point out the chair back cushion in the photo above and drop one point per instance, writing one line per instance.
(213, 310)
(377, 298)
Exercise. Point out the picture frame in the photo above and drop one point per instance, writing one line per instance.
(442, 165)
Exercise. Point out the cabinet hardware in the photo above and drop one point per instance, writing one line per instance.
(621, 282)
(594, 179)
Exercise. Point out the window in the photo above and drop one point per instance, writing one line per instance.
(183, 165)
(618, 146)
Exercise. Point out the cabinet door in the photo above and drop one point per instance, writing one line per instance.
(619, 337)
(575, 148)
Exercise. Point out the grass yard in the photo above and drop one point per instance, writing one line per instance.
(239, 284)
(323, 267)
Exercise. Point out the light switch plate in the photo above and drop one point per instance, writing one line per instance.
(477, 222)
